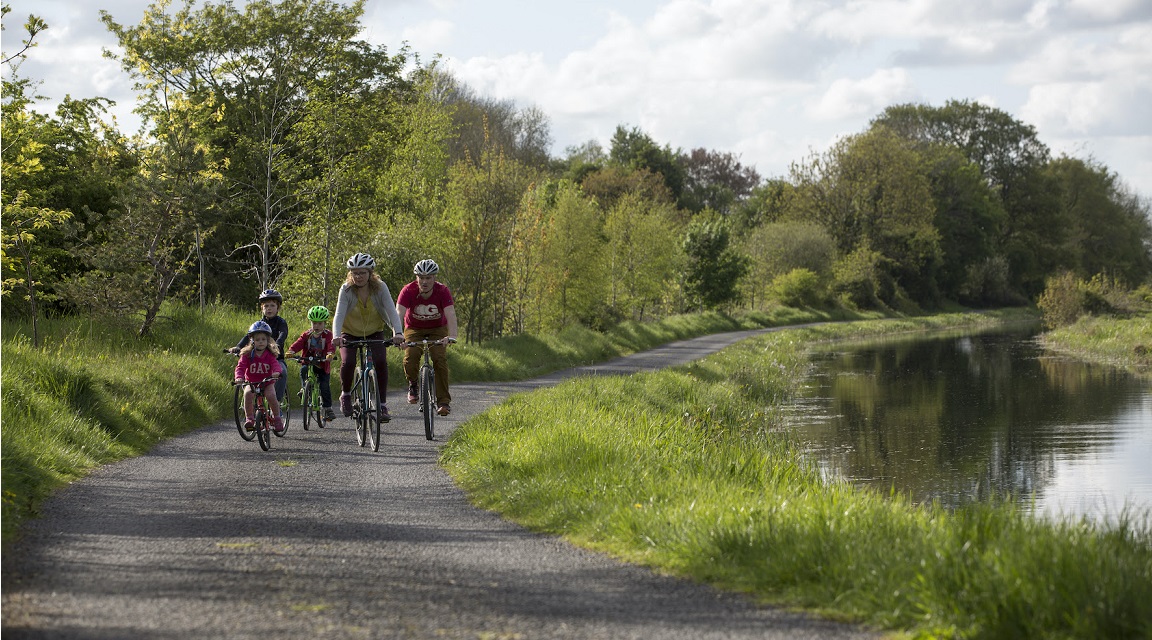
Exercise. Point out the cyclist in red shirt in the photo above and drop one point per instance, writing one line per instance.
(429, 312)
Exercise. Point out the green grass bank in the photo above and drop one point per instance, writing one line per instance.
(687, 471)
(1121, 342)
(93, 393)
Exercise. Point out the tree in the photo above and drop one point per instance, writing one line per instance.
(644, 255)
(255, 72)
(21, 226)
(871, 190)
(1011, 159)
(634, 149)
(777, 248)
(714, 268)
(716, 181)
(572, 277)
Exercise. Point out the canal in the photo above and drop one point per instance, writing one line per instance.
(959, 418)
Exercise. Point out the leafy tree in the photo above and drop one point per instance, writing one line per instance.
(634, 149)
(1110, 229)
(572, 278)
(1011, 158)
(767, 202)
(255, 72)
(21, 226)
(611, 183)
(716, 181)
(644, 256)
(483, 203)
(714, 267)
(778, 248)
(871, 190)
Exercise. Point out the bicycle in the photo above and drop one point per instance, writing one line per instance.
(427, 383)
(310, 392)
(238, 408)
(262, 415)
(365, 403)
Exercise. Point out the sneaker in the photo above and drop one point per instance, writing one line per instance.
(346, 404)
(249, 425)
(277, 424)
(384, 417)
(443, 409)
(329, 414)
(412, 391)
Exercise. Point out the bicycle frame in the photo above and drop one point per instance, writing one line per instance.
(427, 383)
(365, 403)
(261, 412)
(310, 392)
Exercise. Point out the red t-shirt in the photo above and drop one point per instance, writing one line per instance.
(425, 313)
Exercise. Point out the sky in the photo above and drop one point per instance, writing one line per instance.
(771, 81)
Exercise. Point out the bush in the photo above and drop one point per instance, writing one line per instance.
(798, 288)
(1066, 298)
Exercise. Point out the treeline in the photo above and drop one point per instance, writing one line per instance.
(277, 142)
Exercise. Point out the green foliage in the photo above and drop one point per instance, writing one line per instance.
(858, 279)
(714, 268)
(776, 248)
(1066, 298)
(634, 149)
(798, 288)
(571, 277)
(644, 257)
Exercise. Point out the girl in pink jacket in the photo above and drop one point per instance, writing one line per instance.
(259, 362)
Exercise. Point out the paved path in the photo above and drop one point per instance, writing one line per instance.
(208, 537)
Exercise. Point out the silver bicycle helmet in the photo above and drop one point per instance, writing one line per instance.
(361, 261)
(270, 294)
(426, 267)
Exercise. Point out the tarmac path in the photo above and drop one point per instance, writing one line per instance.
(206, 536)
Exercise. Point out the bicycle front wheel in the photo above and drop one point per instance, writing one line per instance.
(238, 411)
(285, 415)
(358, 413)
(263, 433)
(428, 401)
(372, 410)
(306, 394)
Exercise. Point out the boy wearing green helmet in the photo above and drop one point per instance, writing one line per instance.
(316, 343)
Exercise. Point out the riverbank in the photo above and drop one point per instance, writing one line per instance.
(686, 471)
(1120, 342)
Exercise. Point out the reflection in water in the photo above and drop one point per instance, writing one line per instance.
(963, 418)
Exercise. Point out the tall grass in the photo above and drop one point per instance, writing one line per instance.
(1122, 342)
(687, 471)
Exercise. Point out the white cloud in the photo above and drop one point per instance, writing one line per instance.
(846, 98)
(433, 35)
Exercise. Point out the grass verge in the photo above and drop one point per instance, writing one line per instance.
(1121, 342)
(685, 471)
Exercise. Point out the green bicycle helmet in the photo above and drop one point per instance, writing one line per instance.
(318, 314)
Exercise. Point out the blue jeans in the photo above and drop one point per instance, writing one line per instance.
(282, 382)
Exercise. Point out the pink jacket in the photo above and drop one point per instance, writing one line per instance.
(255, 368)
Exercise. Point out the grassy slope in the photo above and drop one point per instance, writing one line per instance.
(684, 471)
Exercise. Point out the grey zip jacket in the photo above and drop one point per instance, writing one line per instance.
(381, 299)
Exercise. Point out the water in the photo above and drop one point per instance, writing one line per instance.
(963, 418)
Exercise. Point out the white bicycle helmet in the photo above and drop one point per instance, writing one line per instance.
(426, 267)
(361, 261)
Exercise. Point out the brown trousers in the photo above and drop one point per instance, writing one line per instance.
(413, 358)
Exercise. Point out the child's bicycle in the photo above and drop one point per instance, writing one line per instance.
(263, 430)
(238, 409)
(427, 382)
(310, 392)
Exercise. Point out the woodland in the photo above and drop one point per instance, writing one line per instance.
(276, 142)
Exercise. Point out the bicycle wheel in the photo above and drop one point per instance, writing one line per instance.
(428, 401)
(262, 430)
(306, 396)
(285, 415)
(358, 413)
(238, 411)
(315, 404)
(372, 411)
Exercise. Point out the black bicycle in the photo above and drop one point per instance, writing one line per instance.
(427, 383)
(365, 394)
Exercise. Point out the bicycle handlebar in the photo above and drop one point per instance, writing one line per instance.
(420, 343)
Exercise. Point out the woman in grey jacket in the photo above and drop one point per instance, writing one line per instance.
(364, 310)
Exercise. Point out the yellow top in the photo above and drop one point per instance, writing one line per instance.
(363, 319)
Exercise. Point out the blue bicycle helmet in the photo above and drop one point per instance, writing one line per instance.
(260, 327)
(270, 294)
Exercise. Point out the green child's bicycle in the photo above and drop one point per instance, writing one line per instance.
(310, 392)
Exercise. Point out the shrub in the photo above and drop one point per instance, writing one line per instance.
(798, 288)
